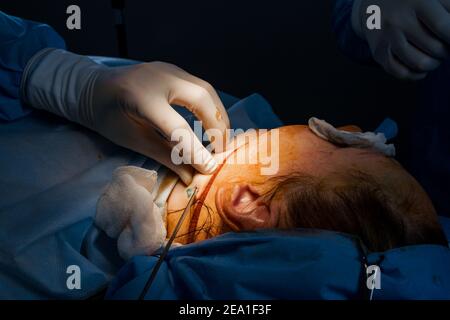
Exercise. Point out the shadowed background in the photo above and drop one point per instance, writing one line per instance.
(284, 50)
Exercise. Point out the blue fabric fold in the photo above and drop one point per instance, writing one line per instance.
(20, 39)
(259, 265)
(300, 264)
(51, 175)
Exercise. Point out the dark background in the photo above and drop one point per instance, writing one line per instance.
(284, 50)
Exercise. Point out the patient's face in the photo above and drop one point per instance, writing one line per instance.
(299, 149)
(238, 186)
(236, 199)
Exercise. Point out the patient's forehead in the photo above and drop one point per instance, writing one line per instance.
(299, 139)
(302, 150)
(299, 151)
(299, 132)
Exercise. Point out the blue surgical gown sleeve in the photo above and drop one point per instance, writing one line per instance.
(352, 45)
(20, 39)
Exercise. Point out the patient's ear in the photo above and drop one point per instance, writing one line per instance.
(243, 208)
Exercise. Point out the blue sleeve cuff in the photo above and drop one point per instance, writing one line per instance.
(20, 40)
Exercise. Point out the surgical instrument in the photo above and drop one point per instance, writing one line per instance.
(168, 245)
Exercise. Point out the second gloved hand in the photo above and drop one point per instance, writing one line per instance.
(414, 35)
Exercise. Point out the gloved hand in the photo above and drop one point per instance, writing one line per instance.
(126, 211)
(414, 35)
(130, 105)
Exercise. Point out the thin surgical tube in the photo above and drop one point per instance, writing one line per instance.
(167, 247)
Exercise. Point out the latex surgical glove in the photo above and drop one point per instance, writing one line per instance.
(131, 106)
(414, 35)
(126, 211)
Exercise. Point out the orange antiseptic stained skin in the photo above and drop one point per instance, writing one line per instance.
(198, 206)
(300, 152)
(291, 148)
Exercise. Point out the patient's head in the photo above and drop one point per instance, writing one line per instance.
(319, 185)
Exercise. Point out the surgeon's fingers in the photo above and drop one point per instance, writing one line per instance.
(184, 171)
(203, 84)
(423, 39)
(202, 99)
(446, 4)
(436, 17)
(153, 141)
(145, 140)
(414, 58)
(188, 149)
(208, 87)
(395, 67)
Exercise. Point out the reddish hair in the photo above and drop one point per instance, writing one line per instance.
(361, 206)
